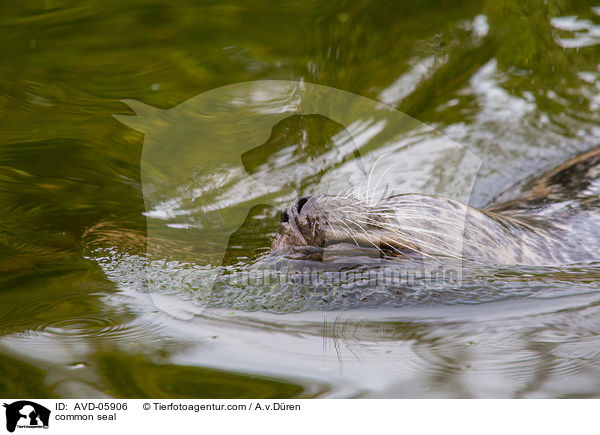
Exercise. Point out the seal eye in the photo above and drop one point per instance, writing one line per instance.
(301, 202)
(285, 217)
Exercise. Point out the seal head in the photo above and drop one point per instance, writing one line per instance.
(320, 222)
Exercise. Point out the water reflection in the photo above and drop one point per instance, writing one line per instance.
(515, 82)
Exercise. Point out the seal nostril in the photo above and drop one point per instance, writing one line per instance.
(301, 201)
(284, 217)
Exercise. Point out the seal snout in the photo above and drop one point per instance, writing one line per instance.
(294, 221)
(293, 210)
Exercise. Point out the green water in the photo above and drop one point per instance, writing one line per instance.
(515, 82)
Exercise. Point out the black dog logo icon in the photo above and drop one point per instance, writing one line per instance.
(30, 412)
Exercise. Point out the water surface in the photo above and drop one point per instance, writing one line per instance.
(515, 83)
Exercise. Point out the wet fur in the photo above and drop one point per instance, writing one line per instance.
(556, 222)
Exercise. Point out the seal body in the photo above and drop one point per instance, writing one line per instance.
(556, 222)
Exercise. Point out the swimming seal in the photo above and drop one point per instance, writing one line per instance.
(556, 222)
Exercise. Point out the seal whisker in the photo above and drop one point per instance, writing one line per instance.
(348, 232)
(552, 224)
(371, 174)
(368, 238)
(411, 240)
(418, 241)
(379, 180)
